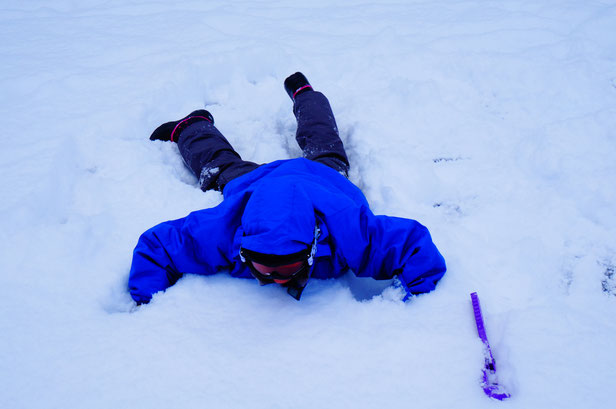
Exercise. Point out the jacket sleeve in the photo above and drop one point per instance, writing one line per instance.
(383, 247)
(163, 254)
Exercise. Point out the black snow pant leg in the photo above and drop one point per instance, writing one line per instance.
(211, 157)
(317, 133)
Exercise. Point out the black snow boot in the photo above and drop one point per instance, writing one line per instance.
(296, 84)
(170, 131)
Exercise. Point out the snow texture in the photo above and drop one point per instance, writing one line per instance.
(493, 123)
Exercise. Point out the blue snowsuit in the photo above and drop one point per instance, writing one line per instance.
(274, 209)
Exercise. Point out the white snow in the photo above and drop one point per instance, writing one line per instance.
(491, 122)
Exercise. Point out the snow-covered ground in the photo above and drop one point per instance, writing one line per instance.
(491, 122)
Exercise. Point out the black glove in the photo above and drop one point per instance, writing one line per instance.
(170, 131)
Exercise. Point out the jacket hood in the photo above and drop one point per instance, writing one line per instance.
(278, 219)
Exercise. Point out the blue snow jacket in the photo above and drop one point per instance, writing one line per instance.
(274, 210)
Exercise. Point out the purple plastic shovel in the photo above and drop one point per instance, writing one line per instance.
(490, 384)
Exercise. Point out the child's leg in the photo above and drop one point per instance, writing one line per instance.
(317, 133)
(210, 156)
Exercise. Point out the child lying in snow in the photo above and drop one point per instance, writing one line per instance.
(282, 222)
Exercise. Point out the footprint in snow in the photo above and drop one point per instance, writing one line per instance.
(608, 284)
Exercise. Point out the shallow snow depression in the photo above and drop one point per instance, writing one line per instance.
(492, 123)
